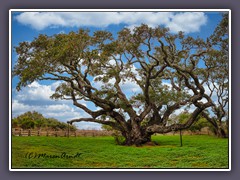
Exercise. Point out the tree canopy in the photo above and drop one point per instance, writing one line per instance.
(172, 72)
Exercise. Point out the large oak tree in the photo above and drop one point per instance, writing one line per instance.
(167, 68)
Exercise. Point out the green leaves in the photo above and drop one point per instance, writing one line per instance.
(32, 120)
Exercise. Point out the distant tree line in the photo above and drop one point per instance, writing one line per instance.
(35, 120)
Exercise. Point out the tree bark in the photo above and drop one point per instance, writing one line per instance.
(136, 135)
(137, 139)
(218, 129)
(221, 133)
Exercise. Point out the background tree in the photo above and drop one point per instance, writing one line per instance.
(35, 120)
(164, 66)
(200, 123)
(28, 120)
(217, 75)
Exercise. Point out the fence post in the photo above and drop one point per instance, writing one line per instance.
(75, 134)
(20, 132)
(56, 133)
(29, 132)
(180, 138)
(38, 133)
(47, 133)
(68, 129)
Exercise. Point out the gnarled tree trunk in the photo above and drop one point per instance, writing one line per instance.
(136, 137)
(220, 132)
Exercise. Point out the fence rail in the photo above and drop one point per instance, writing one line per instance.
(60, 133)
(87, 133)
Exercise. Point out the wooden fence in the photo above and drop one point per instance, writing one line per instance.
(186, 132)
(89, 133)
(60, 133)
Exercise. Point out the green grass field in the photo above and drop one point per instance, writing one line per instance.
(101, 152)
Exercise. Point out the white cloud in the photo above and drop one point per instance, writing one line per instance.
(35, 91)
(89, 125)
(61, 112)
(130, 86)
(36, 97)
(55, 85)
(19, 108)
(185, 21)
(40, 93)
(59, 107)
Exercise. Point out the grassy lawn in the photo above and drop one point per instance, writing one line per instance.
(102, 152)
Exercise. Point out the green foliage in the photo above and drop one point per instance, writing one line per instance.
(107, 127)
(32, 120)
(197, 125)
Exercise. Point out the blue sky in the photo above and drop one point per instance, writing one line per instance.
(28, 25)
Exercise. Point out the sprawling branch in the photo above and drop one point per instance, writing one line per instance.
(175, 127)
(110, 123)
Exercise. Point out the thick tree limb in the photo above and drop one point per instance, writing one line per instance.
(175, 127)
(110, 123)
